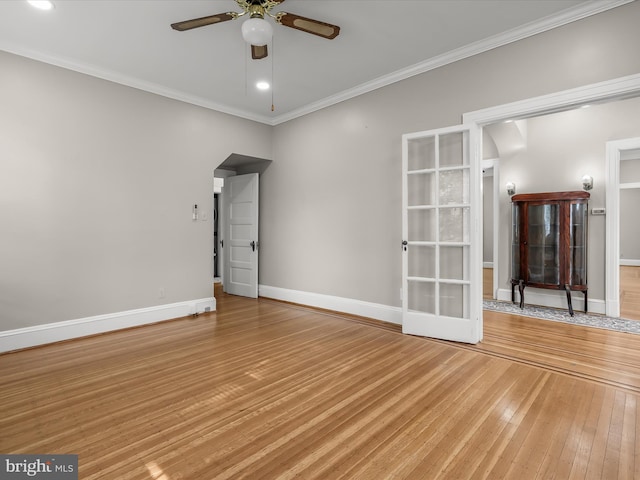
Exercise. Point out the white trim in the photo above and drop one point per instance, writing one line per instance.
(612, 230)
(81, 327)
(128, 81)
(629, 186)
(496, 226)
(626, 262)
(553, 299)
(487, 264)
(612, 221)
(522, 32)
(376, 311)
(622, 87)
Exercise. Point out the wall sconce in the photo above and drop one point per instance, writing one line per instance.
(511, 188)
(587, 182)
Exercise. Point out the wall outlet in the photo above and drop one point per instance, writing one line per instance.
(598, 211)
(161, 292)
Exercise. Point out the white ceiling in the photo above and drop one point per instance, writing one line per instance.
(380, 41)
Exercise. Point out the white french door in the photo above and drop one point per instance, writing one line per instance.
(240, 245)
(442, 234)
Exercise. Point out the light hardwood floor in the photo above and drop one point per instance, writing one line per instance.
(630, 292)
(266, 390)
(487, 283)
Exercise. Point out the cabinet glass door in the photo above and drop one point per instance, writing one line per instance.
(578, 244)
(516, 214)
(442, 295)
(542, 249)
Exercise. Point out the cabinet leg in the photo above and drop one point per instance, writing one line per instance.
(585, 301)
(566, 287)
(521, 290)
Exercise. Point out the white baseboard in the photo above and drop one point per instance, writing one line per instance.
(338, 304)
(487, 264)
(626, 262)
(553, 299)
(55, 332)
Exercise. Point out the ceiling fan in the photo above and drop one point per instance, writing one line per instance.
(256, 30)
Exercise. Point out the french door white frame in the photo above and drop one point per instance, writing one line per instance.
(467, 326)
(615, 89)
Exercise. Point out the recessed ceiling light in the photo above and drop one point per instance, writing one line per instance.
(262, 85)
(41, 4)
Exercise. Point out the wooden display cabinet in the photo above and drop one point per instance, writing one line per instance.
(549, 244)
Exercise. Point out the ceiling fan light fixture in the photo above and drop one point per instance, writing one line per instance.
(257, 31)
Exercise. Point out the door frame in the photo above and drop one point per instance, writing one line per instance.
(612, 225)
(609, 90)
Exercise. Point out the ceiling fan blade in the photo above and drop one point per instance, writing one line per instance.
(322, 29)
(201, 22)
(259, 52)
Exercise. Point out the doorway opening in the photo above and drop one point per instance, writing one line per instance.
(234, 166)
(626, 88)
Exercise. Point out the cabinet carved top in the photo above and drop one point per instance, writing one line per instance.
(551, 196)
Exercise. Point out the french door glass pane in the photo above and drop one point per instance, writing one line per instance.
(421, 189)
(454, 187)
(453, 300)
(422, 153)
(422, 225)
(422, 261)
(452, 150)
(422, 297)
(453, 224)
(454, 264)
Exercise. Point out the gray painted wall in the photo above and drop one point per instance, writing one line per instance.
(629, 205)
(97, 183)
(331, 202)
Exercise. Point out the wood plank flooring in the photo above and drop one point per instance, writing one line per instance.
(630, 292)
(265, 390)
(487, 283)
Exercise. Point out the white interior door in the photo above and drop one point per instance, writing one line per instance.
(241, 235)
(442, 234)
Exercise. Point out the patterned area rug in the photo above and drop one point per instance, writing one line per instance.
(579, 318)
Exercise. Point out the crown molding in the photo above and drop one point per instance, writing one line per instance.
(563, 18)
(111, 76)
(557, 20)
